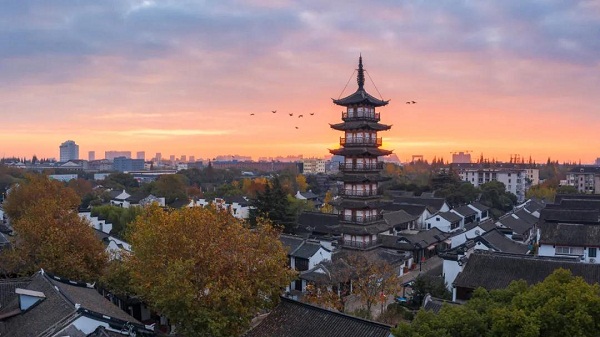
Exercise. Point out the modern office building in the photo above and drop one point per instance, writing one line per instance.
(69, 151)
(91, 155)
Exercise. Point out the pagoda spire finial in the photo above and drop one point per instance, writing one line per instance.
(360, 78)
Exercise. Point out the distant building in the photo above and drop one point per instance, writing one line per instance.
(111, 155)
(91, 155)
(516, 177)
(192, 159)
(123, 164)
(313, 166)
(69, 151)
(158, 157)
(597, 161)
(461, 158)
(63, 177)
(140, 155)
(585, 178)
(183, 158)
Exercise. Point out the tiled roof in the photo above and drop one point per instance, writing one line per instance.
(418, 240)
(449, 216)
(487, 225)
(294, 319)
(57, 309)
(589, 204)
(570, 234)
(306, 250)
(481, 207)
(290, 242)
(533, 205)
(397, 218)
(517, 225)
(527, 217)
(550, 214)
(465, 211)
(318, 223)
(585, 169)
(500, 242)
(435, 304)
(435, 203)
(496, 270)
(414, 209)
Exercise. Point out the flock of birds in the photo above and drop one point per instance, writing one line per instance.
(291, 115)
(312, 113)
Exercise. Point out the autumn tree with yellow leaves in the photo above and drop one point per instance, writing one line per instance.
(49, 232)
(206, 270)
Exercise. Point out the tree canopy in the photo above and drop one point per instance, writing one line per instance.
(49, 232)
(206, 270)
(561, 305)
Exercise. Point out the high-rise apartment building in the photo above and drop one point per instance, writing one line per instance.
(91, 155)
(183, 158)
(140, 155)
(192, 159)
(69, 151)
(158, 157)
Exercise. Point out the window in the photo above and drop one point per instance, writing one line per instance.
(301, 264)
(592, 252)
(562, 250)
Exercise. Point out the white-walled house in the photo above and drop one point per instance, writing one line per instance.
(576, 240)
(444, 221)
(238, 206)
(471, 231)
(482, 211)
(303, 255)
(98, 223)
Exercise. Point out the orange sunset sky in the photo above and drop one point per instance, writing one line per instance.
(183, 77)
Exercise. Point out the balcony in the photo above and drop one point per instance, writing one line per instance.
(358, 193)
(361, 167)
(359, 244)
(358, 115)
(364, 219)
(360, 141)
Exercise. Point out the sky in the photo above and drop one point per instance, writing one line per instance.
(184, 77)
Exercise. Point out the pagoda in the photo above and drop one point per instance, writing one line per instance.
(360, 199)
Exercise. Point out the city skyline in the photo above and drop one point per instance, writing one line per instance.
(202, 79)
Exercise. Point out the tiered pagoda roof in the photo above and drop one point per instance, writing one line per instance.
(360, 96)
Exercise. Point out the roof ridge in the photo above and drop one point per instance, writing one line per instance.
(292, 301)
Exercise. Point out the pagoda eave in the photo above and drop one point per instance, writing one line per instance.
(360, 96)
(372, 229)
(360, 151)
(360, 125)
(346, 178)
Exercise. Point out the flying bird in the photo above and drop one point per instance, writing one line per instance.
(273, 111)
(407, 102)
(299, 116)
(251, 114)
(312, 113)
(291, 114)
(413, 102)
(296, 127)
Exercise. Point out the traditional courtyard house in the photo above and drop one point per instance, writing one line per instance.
(468, 215)
(470, 231)
(309, 197)
(400, 221)
(433, 204)
(493, 240)
(238, 206)
(445, 221)
(295, 319)
(520, 228)
(323, 226)
(360, 203)
(99, 223)
(421, 244)
(48, 306)
(303, 255)
(419, 211)
(569, 239)
(482, 211)
(497, 270)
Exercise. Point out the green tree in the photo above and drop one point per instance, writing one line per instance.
(495, 196)
(541, 192)
(561, 305)
(205, 270)
(120, 181)
(49, 232)
(171, 187)
(274, 205)
(567, 190)
(119, 217)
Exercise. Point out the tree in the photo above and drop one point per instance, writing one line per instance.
(495, 196)
(374, 280)
(561, 305)
(49, 232)
(301, 183)
(567, 190)
(206, 270)
(327, 207)
(541, 192)
(120, 181)
(171, 187)
(274, 205)
(119, 217)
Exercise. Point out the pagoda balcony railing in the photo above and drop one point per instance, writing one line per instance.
(361, 167)
(358, 193)
(348, 116)
(359, 244)
(360, 141)
(360, 218)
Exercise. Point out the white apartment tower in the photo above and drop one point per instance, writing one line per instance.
(69, 151)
